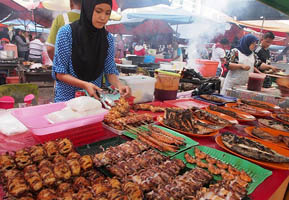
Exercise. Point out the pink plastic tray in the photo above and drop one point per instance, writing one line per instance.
(187, 103)
(34, 119)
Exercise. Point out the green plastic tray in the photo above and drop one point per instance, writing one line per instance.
(97, 147)
(189, 142)
(257, 173)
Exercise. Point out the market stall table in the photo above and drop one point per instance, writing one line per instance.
(127, 69)
(272, 188)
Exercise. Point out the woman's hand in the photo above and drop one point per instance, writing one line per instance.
(245, 67)
(124, 90)
(91, 90)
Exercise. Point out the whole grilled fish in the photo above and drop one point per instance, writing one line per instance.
(257, 104)
(252, 149)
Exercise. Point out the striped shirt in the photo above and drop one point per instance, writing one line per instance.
(36, 47)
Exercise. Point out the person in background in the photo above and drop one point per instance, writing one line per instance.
(119, 47)
(177, 55)
(219, 54)
(4, 41)
(240, 62)
(263, 54)
(22, 45)
(84, 52)
(139, 49)
(36, 48)
(59, 21)
(283, 57)
(4, 33)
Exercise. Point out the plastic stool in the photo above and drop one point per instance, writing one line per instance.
(7, 102)
(28, 99)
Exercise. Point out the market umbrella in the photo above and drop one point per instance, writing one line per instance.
(161, 12)
(124, 4)
(152, 27)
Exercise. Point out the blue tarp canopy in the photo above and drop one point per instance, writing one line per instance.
(26, 25)
(160, 12)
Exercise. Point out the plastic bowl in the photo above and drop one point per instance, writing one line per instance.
(7, 102)
(12, 79)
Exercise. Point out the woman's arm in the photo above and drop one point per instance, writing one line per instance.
(89, 87)
(235, 66)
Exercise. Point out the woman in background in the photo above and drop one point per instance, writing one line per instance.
(240, 63)
(22, 45)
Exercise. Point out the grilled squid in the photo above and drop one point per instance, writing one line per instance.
(64, 146)
(86, 162)
(22, 158)
(74, 167)
(47, 194)
(62, 171)
(51, 149)
(37, 153)
(6, 162)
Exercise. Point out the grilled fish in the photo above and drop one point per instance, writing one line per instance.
(214, 98)
(252, 149)
(258, 132)
(283, 117)
(257, 104)
(247, 108)
(274, 124)
(225, 111)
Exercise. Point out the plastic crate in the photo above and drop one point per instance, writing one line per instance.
(79, 136)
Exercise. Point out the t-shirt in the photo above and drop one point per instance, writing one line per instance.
(36, 47)
(217, 54)
(58, 22)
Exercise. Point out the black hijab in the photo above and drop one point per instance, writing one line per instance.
(89, 44)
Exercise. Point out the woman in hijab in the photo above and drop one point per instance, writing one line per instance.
(240, 63)
(84, 52)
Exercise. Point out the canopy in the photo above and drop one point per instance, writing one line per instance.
(124, 4)
(26, 25)
(270, 25)
(281, 5)
(160, 12)
(63, 5)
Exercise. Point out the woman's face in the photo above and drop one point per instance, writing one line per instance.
(101, 15)
(252, 46)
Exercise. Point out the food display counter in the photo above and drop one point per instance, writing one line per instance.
(195, 145)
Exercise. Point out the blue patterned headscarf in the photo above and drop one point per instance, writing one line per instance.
(245, 42)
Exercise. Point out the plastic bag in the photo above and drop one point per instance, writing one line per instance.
(9, 125)
(84, 103)
(62, 115)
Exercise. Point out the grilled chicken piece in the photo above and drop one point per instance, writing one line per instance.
(86, 162)
(47, 175)
(74, 167)
(33, 178)
(62, 171)
(47, 194)
(51, 149)
(37, 153)
(17, 186)
(22, 158)
(84, 194)
(79, 183)
(73, 156)
(6, 162)
(64, 146)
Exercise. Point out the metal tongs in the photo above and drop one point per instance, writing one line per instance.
(106, 102)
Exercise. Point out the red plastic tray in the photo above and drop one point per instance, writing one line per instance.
(187, 103)
(79, 136)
